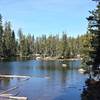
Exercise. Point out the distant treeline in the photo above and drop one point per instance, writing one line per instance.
(53, 45)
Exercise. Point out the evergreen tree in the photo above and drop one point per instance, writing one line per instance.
(1, 33)
(30, 44)
(13, 44)
(21, 44)
(94, 29)
(7, 40)
(43, 45)
(46, 46)
(33, 45)
(64, 45)
(92, 90)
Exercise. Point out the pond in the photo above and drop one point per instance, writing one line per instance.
(49, 79)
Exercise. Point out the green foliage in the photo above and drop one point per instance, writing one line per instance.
(7, 40)
(1, 33)
(53, 45)
(94, 29)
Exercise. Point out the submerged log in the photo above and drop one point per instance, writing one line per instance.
(10, 96)
(9, 90)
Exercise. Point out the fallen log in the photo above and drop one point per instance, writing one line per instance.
(5, 95)
(17, 98)
(14, 76)
(9, 96)
(21, 76)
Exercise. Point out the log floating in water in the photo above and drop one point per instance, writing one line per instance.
(13, 76)
(5, 95)
(9, 96)
(21, 76)
(17, 98)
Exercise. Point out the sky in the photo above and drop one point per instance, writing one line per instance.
(47, 16)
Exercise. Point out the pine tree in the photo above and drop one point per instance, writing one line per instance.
(21, 44)
(13, 44)
(1, 33)
(94, 29)
(64, 45)
(7, 40)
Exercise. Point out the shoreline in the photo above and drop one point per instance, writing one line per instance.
(55, 58)
(40, 58)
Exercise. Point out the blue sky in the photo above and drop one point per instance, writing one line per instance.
(47, 16)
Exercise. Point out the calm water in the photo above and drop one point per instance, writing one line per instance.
(51, 81)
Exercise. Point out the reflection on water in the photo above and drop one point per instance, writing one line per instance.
(51, 81)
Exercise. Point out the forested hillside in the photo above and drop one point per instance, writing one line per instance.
(52, 45)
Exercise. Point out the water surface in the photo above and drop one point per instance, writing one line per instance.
(50, 81)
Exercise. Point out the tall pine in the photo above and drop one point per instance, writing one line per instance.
(13, 44)
(7, 40)
(1, 33)
(94, 29)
